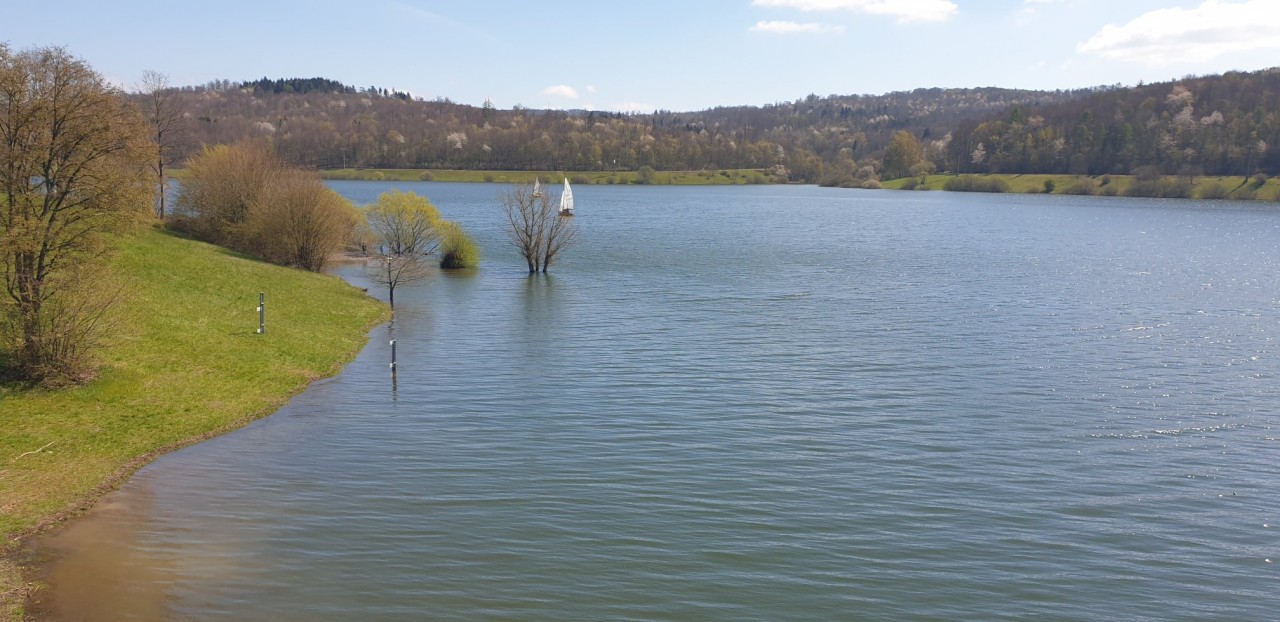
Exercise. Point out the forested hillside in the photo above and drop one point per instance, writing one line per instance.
(1210, 125)
(1219, 125)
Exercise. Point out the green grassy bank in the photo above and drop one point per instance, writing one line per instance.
(183, 364)
(657, 178)
(1225, 188)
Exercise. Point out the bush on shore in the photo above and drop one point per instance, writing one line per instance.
(971, 183)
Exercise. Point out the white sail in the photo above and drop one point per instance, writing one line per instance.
(537, 187)
(566, 199)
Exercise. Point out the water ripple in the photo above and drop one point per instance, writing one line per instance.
(791, 404)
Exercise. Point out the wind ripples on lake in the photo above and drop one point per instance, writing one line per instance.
(768, 403)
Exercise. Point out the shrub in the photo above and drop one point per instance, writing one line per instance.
(71, 326)
(488, 178)
(426, 176)
(221, 186)
(298, 221)
(971, 183)
(871, 184)
(1146, 173)
(1109, 191)
(1082, 186)
(244, 197)
(1215, 191)
(911, 183)
(1160, 188)
(1106, 179)
(457, 249)
(1049, 186)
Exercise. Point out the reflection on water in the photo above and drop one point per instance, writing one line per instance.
(768, 403)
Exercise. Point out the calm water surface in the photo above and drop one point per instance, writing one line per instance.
(757, 403)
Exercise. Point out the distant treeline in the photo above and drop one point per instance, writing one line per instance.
(1227, 124)
(301, 86)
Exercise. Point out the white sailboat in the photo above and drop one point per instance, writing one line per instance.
(566, 199)
(537, 187)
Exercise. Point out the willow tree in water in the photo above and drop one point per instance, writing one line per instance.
(535, 226)
(405, 226)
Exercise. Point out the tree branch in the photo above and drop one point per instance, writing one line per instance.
(34, 452)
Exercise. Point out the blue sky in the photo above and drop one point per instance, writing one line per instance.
(674, 55)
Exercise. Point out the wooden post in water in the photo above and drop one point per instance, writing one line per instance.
(393, 356)
(262, 313)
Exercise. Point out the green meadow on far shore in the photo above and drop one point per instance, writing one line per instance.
(1229, 188)
(551, 178)
(183, 363)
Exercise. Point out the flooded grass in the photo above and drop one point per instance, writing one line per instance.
(185, 364)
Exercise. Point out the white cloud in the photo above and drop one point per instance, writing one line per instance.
(561, 90)
(635, 107)
(792, 28)
(1175, 35)
(904, 10)
(591, 88)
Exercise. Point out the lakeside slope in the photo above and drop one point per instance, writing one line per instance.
(184, 363)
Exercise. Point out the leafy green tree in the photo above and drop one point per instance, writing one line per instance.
(404, 223)
(902, 153)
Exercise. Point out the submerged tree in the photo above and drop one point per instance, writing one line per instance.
(73, 169)
(536, 227)
(404, 225)
(392, 271)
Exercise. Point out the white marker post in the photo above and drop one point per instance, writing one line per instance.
(262, 313)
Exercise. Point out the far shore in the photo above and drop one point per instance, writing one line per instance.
(1229, 188)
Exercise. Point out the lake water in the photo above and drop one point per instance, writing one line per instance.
(757, 403)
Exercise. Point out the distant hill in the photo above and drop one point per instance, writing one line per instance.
(1213, 124)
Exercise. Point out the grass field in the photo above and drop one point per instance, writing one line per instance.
(185, 363)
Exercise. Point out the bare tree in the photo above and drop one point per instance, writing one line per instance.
(164, 112)
(73, 168)
(392, 271)
(535, 226)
